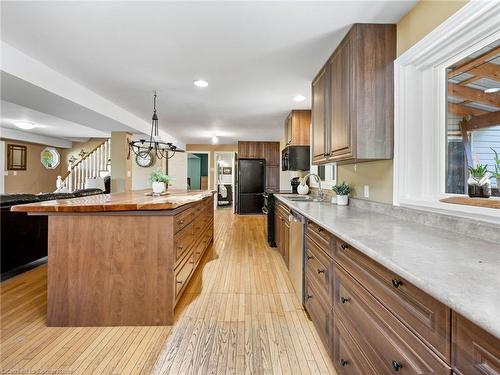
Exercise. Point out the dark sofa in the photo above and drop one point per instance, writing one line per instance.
(24, 237)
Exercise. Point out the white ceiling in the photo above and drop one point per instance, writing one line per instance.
(46, 124)
(256, 56)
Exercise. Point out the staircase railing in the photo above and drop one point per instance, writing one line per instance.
(95, 164)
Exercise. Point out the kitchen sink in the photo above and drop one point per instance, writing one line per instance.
(304, 199)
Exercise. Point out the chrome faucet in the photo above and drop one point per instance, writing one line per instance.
(320, 196)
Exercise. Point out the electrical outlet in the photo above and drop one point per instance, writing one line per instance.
(355, 167)
(366, 191)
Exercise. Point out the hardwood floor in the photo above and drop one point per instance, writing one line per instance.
(238, 315)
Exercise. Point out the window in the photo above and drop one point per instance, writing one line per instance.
(473, 116)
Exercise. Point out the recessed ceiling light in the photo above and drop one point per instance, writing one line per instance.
(299, 98)
(492, 90)
(26, 125)
(200, 83)
(214, 139)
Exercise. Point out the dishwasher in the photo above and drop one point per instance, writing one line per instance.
(296, 253)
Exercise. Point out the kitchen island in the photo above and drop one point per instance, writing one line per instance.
(122, 259)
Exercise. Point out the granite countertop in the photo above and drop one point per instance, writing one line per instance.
(131, 201)
(460, 271)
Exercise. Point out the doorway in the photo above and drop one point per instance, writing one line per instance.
(198, 177)
(225, 177)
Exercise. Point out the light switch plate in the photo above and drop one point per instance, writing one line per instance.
(366, 191)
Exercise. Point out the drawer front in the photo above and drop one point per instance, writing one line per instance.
(318, 311)
(319, 266)
(203, 243)
(474, 351)
(426, 317)
(347, 356)
(321, 236)
(183, 241)
(182, 275)
(183, 218)
(385, 341)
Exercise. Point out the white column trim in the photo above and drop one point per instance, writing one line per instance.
(420, 105)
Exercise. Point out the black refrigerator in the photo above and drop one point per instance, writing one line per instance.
(251, 185)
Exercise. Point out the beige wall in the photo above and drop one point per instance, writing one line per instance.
(36, 178)
(211, 148)
(416, 24)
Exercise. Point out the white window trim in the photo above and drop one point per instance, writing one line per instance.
(420, 107)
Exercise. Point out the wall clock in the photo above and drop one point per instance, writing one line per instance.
(144, 159)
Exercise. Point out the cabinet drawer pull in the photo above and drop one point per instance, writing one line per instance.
(321, 271)
(309, 257)
(309, 296)
(396, 366)
(344, 299)
(181, 222)
(320, 229)
(179, 248)
(396, 283)
(343, 362)
(344, 246)
(179, 281)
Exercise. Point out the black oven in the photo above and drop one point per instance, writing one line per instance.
(268, 210)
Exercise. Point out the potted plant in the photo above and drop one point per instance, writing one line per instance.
(342, 190)
(159, 181)
(496, 172)
(478, 183)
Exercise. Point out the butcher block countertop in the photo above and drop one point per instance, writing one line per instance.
(132, 201)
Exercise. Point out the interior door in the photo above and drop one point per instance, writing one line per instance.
(340, 69)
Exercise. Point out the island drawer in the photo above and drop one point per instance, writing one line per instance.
(383, 339)
(183, 241)
(182, 274)
(183, 218)
(319, 267)
(321, 236)
(203, 242)
(474, 351)
(426, 317)
(318, 309)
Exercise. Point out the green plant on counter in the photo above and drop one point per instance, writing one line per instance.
(479, 171)
(496, 172)
(159, 176)
(341, 189)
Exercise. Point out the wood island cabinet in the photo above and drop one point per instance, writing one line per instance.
(282, 230)
(353, 98)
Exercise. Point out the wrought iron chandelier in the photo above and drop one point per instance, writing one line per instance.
(154, 145)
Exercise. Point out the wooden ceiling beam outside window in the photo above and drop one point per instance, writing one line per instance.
(462, 110)
(475, 62)
(486, 120)
(474, 95)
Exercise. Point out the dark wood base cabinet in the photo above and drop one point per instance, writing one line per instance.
(374, 322)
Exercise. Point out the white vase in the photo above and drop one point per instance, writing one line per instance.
(158, 187)
(334, 199)
(303, 189)
(342, 200)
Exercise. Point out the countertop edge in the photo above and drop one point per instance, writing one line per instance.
(485, 324)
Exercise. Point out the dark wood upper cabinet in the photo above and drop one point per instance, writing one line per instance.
(353, 98)
(320, 118)
(298, 127)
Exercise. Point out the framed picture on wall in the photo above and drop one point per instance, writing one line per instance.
(16, 157)
(227, 170)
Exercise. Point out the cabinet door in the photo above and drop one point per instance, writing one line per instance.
(272, 153)
(319, 119)
(272, 177)
(277, 230)
(340, 78)
(301, 128)
(288, 129)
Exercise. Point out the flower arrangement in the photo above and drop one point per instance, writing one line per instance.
(159, 182)
(342, 190)
(478, 184)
